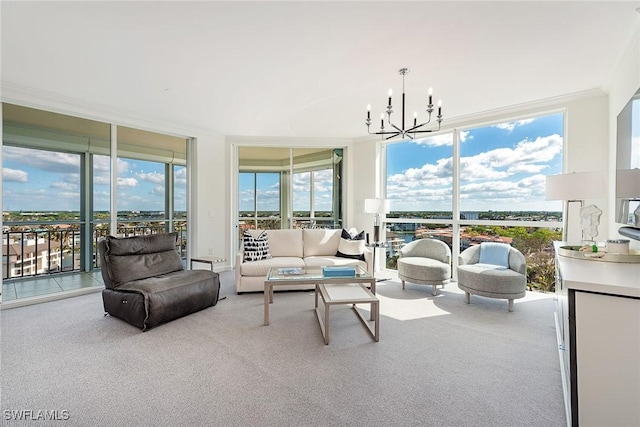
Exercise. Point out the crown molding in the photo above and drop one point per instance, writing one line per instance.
(288, 141)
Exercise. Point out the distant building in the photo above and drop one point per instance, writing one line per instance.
(29, 257)
(471, 216)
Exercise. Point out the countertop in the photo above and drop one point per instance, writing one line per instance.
(597, 276)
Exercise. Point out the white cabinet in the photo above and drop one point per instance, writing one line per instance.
(598, 328)
(607, 349)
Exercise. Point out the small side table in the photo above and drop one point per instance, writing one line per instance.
(208, 260)
(375, 245)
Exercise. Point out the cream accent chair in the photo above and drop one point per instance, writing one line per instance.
(426, 262)
(490, 280)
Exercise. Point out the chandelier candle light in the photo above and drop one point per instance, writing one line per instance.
(411, 132)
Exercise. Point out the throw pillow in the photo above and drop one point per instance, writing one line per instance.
(351, 246)
(256, 248)
(494, 253)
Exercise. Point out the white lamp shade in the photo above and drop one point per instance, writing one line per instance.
(377, 206)
(628, 184)
(576, 186)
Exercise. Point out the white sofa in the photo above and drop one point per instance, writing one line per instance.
(294, 248)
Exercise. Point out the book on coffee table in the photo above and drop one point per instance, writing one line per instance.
(290, 271)
(339, 271)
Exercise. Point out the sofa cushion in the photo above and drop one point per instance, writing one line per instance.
(320, 241)
(173, 295)
(494, 253)
(261, 268)
(351, 246)
(256, 245)
(139, 257)
(323, 261)
(141, 244)
(287, 243)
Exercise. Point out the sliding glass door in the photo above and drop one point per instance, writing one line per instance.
(57, 191)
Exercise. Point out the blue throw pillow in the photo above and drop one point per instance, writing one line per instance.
(494, 253)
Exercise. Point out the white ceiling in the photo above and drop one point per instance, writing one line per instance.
(308, 69)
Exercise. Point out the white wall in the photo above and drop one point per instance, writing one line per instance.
(362, 171)
(625, 81)
(211, 199)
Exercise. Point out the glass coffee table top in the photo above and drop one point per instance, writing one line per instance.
(308, 273)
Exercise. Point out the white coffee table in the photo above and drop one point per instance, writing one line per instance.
(351, 293)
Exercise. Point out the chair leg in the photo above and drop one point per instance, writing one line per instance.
(467, 297)
(434, 290)
(402, 284)
(510, 305)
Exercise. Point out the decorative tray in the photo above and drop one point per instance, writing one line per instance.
(602, 256)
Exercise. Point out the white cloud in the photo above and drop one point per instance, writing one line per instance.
(526, 168)
(127, 182)
(435, 175)
(101, 179)
(50, 161)
(14, 175)
(496, 163)
(436, 141)
(158, 190)
(66, 186)
(154, 177)
(512, 125)
(180, 176)
(464, 135)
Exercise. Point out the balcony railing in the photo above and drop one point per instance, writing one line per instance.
(31, 250)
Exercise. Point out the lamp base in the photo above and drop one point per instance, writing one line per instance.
(376, 233)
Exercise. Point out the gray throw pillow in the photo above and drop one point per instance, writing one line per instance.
(140, 257)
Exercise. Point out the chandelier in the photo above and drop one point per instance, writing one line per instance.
(393, 130)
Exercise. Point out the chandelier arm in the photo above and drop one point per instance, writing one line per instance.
(392, 133)
(396, 127)
(428, 130)
(382, 132)
(411, 129)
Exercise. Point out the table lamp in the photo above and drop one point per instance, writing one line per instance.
(377, 207)
(576, 187)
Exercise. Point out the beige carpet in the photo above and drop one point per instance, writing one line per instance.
(439, 362)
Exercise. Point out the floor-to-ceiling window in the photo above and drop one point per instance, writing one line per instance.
(57, 191)
(484, 183)
(282, 187)
(259, 200)
(146, 183)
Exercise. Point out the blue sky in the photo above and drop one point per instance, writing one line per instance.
(39, 180)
